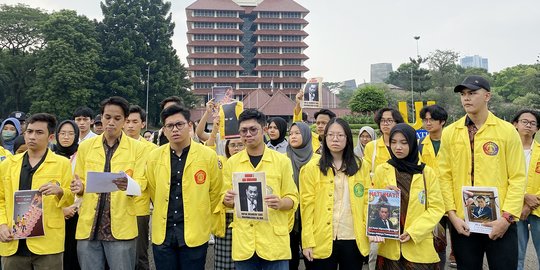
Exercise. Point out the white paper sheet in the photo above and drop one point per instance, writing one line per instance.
(102, 182)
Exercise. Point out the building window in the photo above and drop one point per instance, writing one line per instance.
(269, 73)
(269, 62)
(269, 26)
(206, 25)
(226, 73)
(226, 49)
(291, 38)
(233, 85)
(203, 73)
(203, 37)
(292, 85)
(291, 50)
(291, 15)
(225, 13)
(269, 85)
(222, 25)
(292, 62)
(292, 74)
(268, 38)
(248, 85)
(227, 37)
(226, 61)
(203, 49)
(203, 13)
(268, 14)
(202, 85)
(269, 50)
(290, 26)
(203, 61)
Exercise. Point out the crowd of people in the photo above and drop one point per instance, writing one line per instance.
(317, 184)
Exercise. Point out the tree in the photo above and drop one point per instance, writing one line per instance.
(345, 93)
(67, 66)
(517, 81)
(443, 68)
(421, 81)
(367, 99)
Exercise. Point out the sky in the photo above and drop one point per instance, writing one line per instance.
(347, 36)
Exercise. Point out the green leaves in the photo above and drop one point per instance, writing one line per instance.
(367, 99)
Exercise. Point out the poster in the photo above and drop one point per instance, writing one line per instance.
(27, 214)
(251, 189)
(228, 114)
(480, 205)
(222, 95)
(313, 93)
(383, 213)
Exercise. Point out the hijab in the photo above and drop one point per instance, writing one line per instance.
(9, 145)
(301, 155)
(359, 149)
(72, 149)
(408, 164)
(281, 125)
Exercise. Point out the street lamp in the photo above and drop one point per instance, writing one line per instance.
(412, 80)
(417, 51)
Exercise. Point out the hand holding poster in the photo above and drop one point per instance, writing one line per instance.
(480, 205)
(251, 189)
(383, 213)
(27, 214)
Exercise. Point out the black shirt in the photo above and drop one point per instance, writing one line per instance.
(255, 160)
(175, 212)
(25, 183)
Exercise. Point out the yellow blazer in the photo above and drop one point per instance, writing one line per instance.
(142, 203)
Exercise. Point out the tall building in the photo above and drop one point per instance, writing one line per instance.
(380, 72)
(246, 44)
(474, 61)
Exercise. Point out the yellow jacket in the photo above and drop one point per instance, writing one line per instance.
(4, 154)
(317, 206)
(201, 191)
(142, 203)
(533, 175)
(428, 154)
(498, 162)
(419, 222)
(315, 143)
(269, 239)
(53, 168)
(129, 158)
(382, 155)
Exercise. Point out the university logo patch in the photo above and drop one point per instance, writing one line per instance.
(491, 148)
(422, 196)
(200, 177)
(129, 172)
(359, 190)
(219, 164)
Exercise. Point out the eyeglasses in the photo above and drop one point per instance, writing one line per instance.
(236, 145)
(252, 130)
(387, 121)
(178, 125)
(526, 122)
(66, 134)
(339, 136)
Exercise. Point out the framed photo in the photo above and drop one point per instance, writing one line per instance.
(480, 205)
(383, 213)
(251, 189)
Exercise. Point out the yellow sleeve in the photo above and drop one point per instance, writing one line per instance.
(3, 211)
(150, 177)
(297, 115)
(445, 172)
(68, 197)
(80, 164)
(140, 164)
(216, 183)
(308, 174)
(515, 166)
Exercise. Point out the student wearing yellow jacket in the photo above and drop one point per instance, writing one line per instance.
(36, 169)
(526, 123)
(498, 162)
(107, 225)
(332, 191)
(421, 204)
(261, 244)
(433, 118)
(184, 182)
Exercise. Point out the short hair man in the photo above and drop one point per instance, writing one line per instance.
(433, 118)
(159, 137)
(107, 225)
(498, 162)
(83, 116)
(184, 182)
(98, 125)
(482, 211)
(250, 203)
(382, 220)
(257, 243)
(37, 169)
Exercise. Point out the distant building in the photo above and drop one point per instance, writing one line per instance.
(349, 84)
(475, 61)
(380, 72)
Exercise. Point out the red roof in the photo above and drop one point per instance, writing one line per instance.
(280, 5)
(281, 56)
(215, 5)
(255, 99)
(278, 104)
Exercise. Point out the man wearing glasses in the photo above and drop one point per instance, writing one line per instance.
(261, 244)
(184, 183)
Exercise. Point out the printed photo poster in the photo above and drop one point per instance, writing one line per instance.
(383, 213)
(27, 214)
(228, 114)
(480, 205)
(222, 95)
(313, 93)
(251, 188)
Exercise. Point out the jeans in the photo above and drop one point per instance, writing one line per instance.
(256, 263)
(169, 256)
(119, 255)
(36, 262)
(345, 254)
(523, 238)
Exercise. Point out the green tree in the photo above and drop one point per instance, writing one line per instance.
(530, 100)
(420, 80)
(67, 66)
(367, 99)
(443, 68)
(517, 81)
(345, 93)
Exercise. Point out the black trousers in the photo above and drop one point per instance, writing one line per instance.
(296, 243)
(501, 253)
(345, 253)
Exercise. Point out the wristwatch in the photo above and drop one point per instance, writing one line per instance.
(509, 217)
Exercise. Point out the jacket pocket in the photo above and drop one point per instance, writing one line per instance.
(281, 230)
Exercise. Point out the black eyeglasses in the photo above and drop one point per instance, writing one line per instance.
(526, 122)
(178, 125)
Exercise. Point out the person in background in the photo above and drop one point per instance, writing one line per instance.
(365, 135)
(83, 116)
(526, 122)
(277, 130)
(159, 138)
(11, 128)
(147, 135)
(98, 125)
(19, 145)
(219, 144)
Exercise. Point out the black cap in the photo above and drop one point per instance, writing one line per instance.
(18, 115)
(473, 82)
(97, 119)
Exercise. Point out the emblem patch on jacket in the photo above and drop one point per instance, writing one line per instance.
(537, 170)
(422, 197)
(200, 177)
(359, 190)
(491, 148)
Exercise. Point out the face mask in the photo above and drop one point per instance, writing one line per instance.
(8, 135)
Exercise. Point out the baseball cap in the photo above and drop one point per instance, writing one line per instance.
(18, 115)
(97, 119)
(473, 82)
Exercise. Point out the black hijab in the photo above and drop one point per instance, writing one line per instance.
(72, 149)
(281, 125)
(409, 164)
